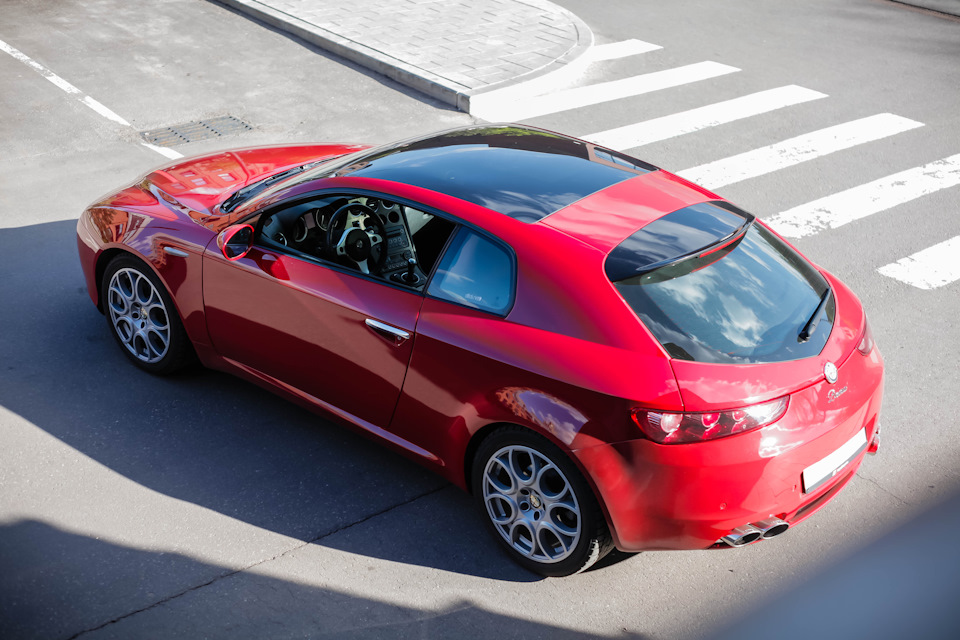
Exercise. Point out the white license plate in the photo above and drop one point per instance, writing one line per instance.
(819, 472)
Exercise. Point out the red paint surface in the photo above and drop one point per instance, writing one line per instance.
(569, 361)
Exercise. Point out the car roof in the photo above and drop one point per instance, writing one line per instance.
(605, 219)
(522, 172)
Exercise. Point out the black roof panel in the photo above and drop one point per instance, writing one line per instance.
(521, 172)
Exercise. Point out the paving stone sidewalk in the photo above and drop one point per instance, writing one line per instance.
(449, 49)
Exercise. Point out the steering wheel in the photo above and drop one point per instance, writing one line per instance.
(357, 242)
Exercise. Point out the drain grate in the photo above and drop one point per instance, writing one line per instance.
(193, 131)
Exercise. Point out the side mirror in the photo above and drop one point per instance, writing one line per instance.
(236, 241)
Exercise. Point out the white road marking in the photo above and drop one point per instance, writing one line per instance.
(615, 50)
(803, 148)
(169, 153)
(928, 269)
(711, 115)
(62, 84)
(859, 202)
(102, 110)
(509, 109)
(68, 88)
(495, 103)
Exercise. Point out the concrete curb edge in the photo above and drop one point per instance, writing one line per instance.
(437, 87)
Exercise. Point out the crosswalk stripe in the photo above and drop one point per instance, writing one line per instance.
(796, 150)
(711, 115)
(859, 202)
(523, 108)
(615, 50)
(928, 269)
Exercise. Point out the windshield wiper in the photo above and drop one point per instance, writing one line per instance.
(814, 320)
(251, 190)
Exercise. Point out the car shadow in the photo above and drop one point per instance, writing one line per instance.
(56, 587)
(213, 440)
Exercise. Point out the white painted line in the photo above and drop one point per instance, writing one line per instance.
(711, 115)
(62, 84)
(928, 269)
(859, 202)
(523, 108)
(615, 50)
(83, 98)
(803, 148)
(164, 151)
(564, 76)
(102, 110)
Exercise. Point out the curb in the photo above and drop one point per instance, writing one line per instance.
(944, 7)
(421, 80)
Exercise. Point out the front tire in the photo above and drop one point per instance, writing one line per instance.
(142, 317)
(537, 503)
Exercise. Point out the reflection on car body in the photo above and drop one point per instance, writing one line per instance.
(602, 353)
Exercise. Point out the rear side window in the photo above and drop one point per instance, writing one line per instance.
(744, 297)
(475, 272)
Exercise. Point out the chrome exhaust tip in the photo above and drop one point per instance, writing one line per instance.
(772, 527)
(742, 536)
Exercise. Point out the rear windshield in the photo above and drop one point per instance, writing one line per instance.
(742, 296)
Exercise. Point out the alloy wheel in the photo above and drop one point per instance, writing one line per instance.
(138, 315)
(531, 504)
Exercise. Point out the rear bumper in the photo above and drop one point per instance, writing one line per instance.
(689, 496)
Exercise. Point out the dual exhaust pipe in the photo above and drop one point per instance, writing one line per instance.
(749, 533)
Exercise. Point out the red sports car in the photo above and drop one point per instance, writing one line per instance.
(601, 352)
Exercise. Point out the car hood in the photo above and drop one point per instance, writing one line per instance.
(200, 183)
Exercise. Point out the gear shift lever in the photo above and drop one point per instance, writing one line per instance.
(410, 277)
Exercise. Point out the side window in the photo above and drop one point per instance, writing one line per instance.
(380, 238)
(475, 272)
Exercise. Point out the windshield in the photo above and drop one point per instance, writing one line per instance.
(747, 301)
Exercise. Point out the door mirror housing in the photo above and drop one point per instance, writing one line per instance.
(235, 242)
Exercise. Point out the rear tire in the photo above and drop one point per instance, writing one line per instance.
(537, 504)
(142, 317)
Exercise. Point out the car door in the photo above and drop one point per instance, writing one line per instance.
(341, 337)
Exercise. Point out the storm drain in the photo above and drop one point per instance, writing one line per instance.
(194, 131)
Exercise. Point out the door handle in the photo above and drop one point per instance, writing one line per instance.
(393, 334)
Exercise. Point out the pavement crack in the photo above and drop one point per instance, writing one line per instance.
(884, 489)
(265, 560)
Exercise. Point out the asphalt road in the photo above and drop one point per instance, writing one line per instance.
(201, 506)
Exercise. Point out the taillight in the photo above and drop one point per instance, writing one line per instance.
(679, 428)
(866, 340)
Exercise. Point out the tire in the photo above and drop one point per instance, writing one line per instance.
(537, 504)
(142, 317)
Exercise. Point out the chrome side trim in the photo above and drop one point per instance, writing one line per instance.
(176, 252)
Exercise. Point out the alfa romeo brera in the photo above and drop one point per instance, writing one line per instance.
(601, 352)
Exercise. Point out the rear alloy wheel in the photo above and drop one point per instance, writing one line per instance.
(537, 503)
(142, 317)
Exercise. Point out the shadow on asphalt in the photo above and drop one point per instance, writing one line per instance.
(243, 604)
(210, 439)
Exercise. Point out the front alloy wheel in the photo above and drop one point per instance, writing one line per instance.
(142, 317)
(139, 316)
(537, 503)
